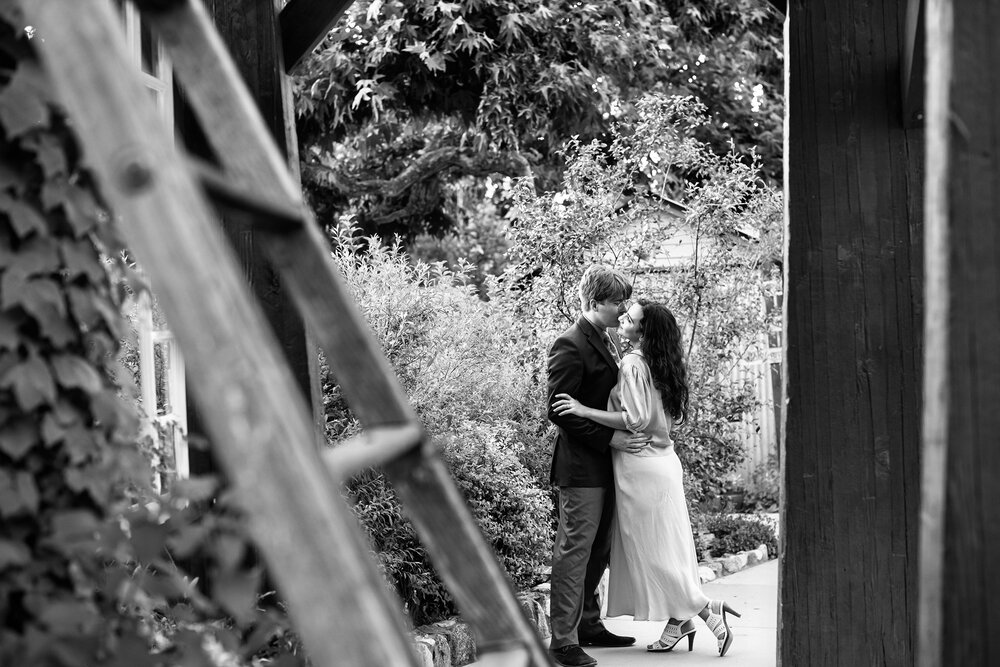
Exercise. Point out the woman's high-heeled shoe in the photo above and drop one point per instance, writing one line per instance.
(673, 634)
(719, 625)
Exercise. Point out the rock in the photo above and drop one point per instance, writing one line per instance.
(542, 618)
(459, 637)
(734, 563)
(715, 566)
(706, 574)
(433, 649)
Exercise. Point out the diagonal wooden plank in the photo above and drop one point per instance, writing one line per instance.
(251, 405)
(304, 23)
(300, 254)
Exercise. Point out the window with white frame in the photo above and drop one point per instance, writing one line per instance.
(156, 360)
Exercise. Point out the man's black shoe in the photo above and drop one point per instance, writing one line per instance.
(605, 638)
(571, 656)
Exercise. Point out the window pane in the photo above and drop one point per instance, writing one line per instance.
(150, 54)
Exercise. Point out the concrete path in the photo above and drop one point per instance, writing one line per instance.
(752, 592)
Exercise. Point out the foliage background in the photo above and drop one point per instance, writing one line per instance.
(427, 113)
(408, 108)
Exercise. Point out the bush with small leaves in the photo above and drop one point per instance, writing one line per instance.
(734, 533)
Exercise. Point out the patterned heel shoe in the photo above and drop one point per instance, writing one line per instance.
(719, 625)
(671, 635)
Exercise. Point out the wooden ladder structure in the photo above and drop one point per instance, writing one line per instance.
(253, 410)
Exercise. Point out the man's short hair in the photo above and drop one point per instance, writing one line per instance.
(600, 283)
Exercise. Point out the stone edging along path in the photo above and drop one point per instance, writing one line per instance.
(451, 643)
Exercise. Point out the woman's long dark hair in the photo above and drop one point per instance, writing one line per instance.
(664, 352)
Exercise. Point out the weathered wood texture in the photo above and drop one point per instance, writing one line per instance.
(465, 562)
(853, 290)
(960, 531)
(258, 421)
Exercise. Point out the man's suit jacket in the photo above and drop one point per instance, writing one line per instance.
(581, 365)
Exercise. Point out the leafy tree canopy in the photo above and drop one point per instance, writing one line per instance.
(403, 99)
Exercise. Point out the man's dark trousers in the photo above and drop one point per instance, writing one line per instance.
(580, 365)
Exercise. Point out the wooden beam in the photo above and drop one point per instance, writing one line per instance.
(249, 30)
(252, 407)
(304, 24)
(913, 69)
(853, 290)
(960, 533)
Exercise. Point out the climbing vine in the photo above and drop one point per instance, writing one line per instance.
(95, 568)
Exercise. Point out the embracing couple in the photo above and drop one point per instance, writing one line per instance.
(621, 496)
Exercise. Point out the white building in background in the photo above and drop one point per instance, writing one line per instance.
(760, 430)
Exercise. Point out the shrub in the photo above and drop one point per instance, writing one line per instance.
(763, 489)
(513, 513)
(401, 557)
(510, 510)
(738, 533)
(460, 359)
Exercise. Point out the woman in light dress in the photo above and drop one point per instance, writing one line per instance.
(654, 567)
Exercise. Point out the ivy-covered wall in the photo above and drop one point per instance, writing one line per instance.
(68, 458)
(94, 566)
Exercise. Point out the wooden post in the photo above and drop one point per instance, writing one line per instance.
(960, 531)
(251, 32)
(848, 578)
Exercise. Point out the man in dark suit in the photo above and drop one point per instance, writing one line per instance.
(582, 364)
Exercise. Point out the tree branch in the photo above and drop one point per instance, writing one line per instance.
(428, 165)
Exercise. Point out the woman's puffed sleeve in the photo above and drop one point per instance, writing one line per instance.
(636, 395)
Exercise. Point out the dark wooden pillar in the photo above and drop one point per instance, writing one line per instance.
(251, 31)
(848, 581)
(960, 528)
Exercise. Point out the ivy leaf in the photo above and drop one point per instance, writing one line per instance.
(9, 336)
(148, 540)
(52, 432)
(228, 550)
(13, 554)
(80, 258)
(113, 412)
(70, 618)
(18, 494)
(132, 651)
(38, 255)
(17, 437)
(31, 383)
(191, 645)
(73, 530)
(82, 211)
(73, 372)
(186, 541)
(49, 153)
(43, 300)
(24, 101)
(24, 219)
(83, 304)
(10, 178)
(236, 591)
